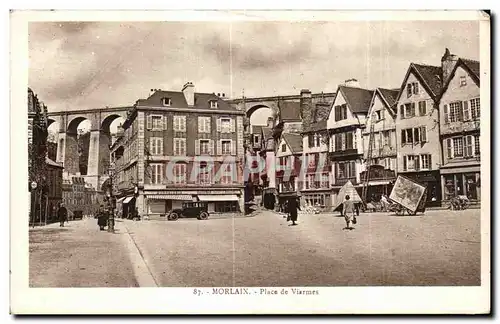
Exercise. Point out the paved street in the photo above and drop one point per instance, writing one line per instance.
(440, 248)
(79, 255)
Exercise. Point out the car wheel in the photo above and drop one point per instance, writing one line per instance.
(174, 216)
(203, 216)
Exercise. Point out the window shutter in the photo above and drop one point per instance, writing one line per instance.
(151, 146)
(333, 143)
(201, 121)
(343, 141)
(405, 163)
(208, 126)
(466, 110)
(469, 141)
(149, 122)
(219, 147)
(354, 141)
(460, 115)
(403, 137)
(408, 90)
(402, 111)
(423, 134)
(416, 134)
(212, 150)
(413, 109)
(445, 110)
(449, 148)
(165, 122)
(415, 88)
(219, 127)
(197, 147)
(183, 123)
(416, 160)
(160, 143)
(429, 156)
(233, 126)
(233, 147)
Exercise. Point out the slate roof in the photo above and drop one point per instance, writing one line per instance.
(201, 100)
(317, 126)
(267, 132)
(289, 111)
(357, 99)
(431, 76)
(390, 95)
(472, 65)
(294, 141)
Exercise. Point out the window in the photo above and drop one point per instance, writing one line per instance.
(411, 163)
(475, 108)
(463, 81)
(413, 135)
(214, 104)
(180, 146)
(204, 124)
(226, 147)
(346, 170)
(166, 101)
(407, 110)
(422, 108)
(455, 111)
(156, 173)
(283, 147)
(411, 89)
(205, 147)
(227, 174)
(204, 175)
(426, 161)
(387, 139)
(179, 173)
(311, 161)
(325, 180)
(458, 146)
(341, 112)
(180, 123)
(469, 142)
(378, 115)
(256, 139)
(156, 146)
(225, 124)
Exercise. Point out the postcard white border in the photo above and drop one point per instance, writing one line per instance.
(341, 300)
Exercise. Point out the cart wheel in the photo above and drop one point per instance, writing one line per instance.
(203, 216)
(411, 213)
(400, 211)
(173, 216)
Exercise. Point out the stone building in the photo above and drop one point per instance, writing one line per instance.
(288, 168)
(345, 125)
(381, 125)
(54, 194)
(417, 128)
(460, 127)
(181, 146)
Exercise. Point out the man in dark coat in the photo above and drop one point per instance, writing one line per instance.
(102, 218)
(62, 215)
(293, 206)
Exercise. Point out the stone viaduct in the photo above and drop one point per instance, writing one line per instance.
(100, 140)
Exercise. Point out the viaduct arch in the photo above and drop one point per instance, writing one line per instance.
(100, 140)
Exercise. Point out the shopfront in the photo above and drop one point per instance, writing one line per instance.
(163, 204)
(461, 181)
(318, 198)
(221, 203)
(380, 182)
(432, 181)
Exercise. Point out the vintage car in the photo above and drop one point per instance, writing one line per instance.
(190, 209)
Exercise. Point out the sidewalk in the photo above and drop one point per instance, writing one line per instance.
(79, 255)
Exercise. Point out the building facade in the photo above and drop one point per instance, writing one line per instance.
(181, 146)
(288, 169)
(54, 190)
(345, 124)
(381, 126)
(79, 196)
(417, 128)
(460, 128)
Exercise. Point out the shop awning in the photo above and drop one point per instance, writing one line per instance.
(128, 199)
(218, 197)
(170, 197)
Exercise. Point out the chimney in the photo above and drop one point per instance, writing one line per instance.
(270, 122)
(306, 107)
(352, 83)
(448, 62)
(188, 91)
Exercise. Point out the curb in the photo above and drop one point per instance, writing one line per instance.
(142, 273)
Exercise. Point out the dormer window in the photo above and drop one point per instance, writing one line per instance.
(166, 101)
(214, 104)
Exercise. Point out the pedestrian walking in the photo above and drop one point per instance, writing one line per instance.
(384, 202)
(62, 215)
(348, 212)
(293, 207)
(102, 218)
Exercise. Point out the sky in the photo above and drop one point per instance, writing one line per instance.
(82, 65)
